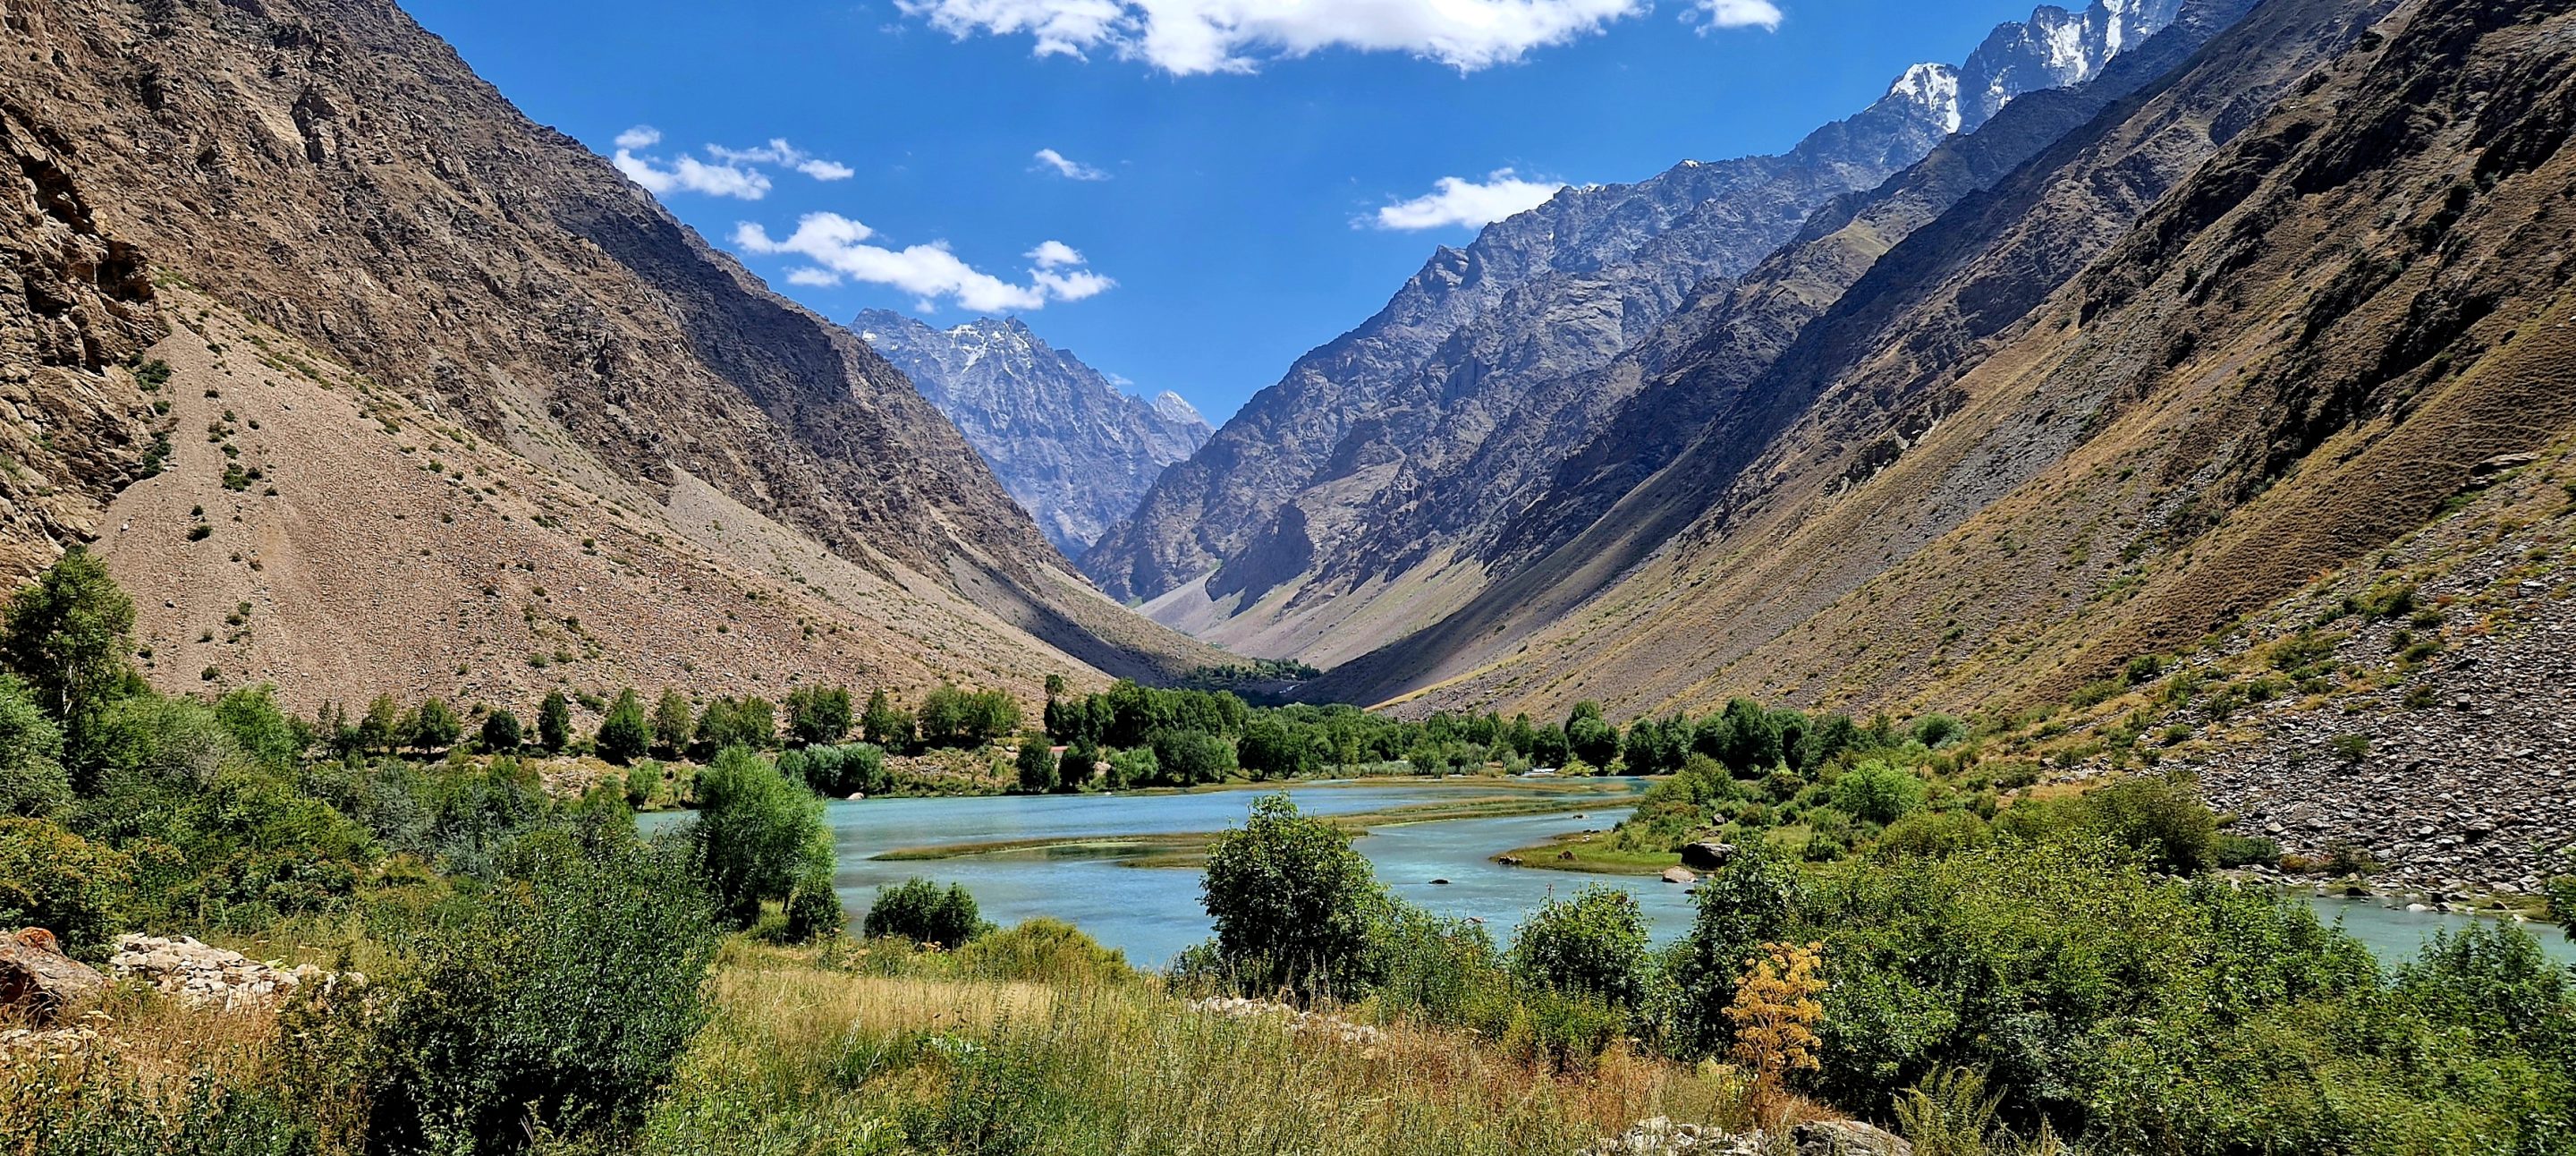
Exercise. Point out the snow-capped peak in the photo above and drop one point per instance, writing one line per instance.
(1171, 405)
(1934, 88)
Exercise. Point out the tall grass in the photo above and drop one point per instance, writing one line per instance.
(807, 1057)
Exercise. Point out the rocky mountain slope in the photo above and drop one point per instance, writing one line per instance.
(1074, 450)
(2018, 454)
(327, 172)
(1331, 512)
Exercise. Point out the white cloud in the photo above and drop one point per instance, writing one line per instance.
(1050, 254)
(1069, 168)
(838, 248)
(725, 173)
(1199, 36)
(779, 152)
(1762, 14)
(1460, 201)
(690, 175)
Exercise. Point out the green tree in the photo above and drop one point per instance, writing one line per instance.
(1274, 749)
(1037, 764)
(434, 726)
(382, 728)
(1751, 739)
(990, 714)
(1292, 902)
(924, 912)
(1594, 944)
(1590, 737)
(69, 635)
(1188, 758)
(943, 715)
(673, 723)
(1130, 767)
(33, 782)
(884, 723)
(625, 734)
(818, 716)
(736, 722)
(758, 835)
(502, 733)
(554, 722)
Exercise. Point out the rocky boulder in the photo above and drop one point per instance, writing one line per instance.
(38, 980)
(1707, 855)
(1847, 1138)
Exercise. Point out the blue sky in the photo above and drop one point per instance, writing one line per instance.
(1214, 206)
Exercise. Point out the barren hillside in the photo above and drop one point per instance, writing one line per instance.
(329, 171)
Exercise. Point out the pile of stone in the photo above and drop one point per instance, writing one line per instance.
(1331, 1027)
(1661, 1136)
(213, 977)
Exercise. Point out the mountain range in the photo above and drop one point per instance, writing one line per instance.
(1075, 450)
(1351, 502)
(354, 372)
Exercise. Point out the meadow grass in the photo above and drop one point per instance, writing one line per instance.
(819, 1052)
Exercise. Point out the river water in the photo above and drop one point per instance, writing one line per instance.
(1152, 913)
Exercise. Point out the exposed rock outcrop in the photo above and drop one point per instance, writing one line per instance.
(38, 981)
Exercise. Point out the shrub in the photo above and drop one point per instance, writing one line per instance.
(1594, 943)
(2229, 849)
(2160, 816)
(1937, 730)
(1775, 1012)
(32, 779)
(560, 1003)
(56, 880)
(1292, 902)
(758, 836)
(1047, 951)
(1878, 792)
(924, 912)
(1750, 901)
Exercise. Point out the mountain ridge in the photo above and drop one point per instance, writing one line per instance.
(1072, 448)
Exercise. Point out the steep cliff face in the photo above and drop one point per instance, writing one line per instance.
(76, 305)
(1394, 478)
(2301, 314)
(1074, 450)
(336, 174)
